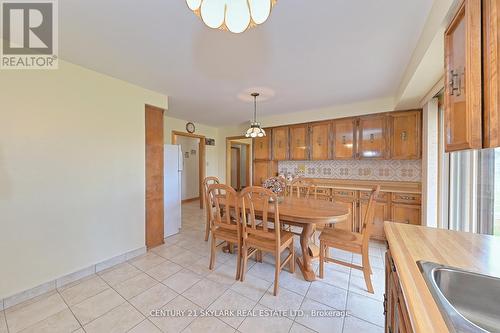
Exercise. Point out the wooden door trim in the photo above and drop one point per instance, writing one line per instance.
(238, 168)
(201, 160)
(249, 164)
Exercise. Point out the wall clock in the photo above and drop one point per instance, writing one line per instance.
(190, 127)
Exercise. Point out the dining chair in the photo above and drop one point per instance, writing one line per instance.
(207, 182)
(350, 241)
(262, 237)
(224, 221)
(304, 188)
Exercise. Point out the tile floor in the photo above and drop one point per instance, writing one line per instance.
(175, 276)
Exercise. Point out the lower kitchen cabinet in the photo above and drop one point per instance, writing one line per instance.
(381, 214)
(349, 200)
(405, 213)
(397, 319)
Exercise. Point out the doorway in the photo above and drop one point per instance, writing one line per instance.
(193, 153)
(154, 176)
(238, 162)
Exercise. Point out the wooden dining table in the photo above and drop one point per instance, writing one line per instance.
(307, 214)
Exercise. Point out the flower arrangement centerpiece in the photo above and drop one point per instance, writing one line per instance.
(277, 185)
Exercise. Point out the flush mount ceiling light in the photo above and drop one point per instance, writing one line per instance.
(255, 130)
(233, 15)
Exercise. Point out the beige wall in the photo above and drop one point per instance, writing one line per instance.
(71, 172)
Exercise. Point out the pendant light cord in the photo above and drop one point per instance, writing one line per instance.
(255, 109)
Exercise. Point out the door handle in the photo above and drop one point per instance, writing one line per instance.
(455, 83)
(372, 138)
(404, 136)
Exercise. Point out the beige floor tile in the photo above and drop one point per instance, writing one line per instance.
(145, 327)
(262, 270)
(297, 328)
(205, 292)
(224, 274)
(61, 322)
(97, 305)
(171, 252)
(119, 273)
(357, 284)
(208, 325)
(332, 296)
(88, 287)
(153, 299)
(164, 270)
(367, 308)
(186, 259)
(120, 319)
(147, 261)
(330, 323)
(3, 323)
(294, 282)
(284, 301)
(234, 302)
(26, 315)
(200, 267)
(355, 325)
(375, 261)
(181, 281)
(335, 277)
(176, 323)
(264, 324)
(79, 331)
(136, 285)
(253, 287)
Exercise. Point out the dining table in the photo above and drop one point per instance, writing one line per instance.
(308, 214)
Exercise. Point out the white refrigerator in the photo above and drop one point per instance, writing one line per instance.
(173, 162)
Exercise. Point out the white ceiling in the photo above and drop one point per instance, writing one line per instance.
(309, 54)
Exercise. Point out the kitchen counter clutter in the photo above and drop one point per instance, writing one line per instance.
(408, 301)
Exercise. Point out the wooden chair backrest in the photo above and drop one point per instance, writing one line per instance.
(256, 198)
(225, 201)
(206, 183)
(366, 227)
(304, 188)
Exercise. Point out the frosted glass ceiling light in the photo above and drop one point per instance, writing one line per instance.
(233, 15)
(255, 130)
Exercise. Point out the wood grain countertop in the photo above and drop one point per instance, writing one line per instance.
(368, 185)
(409, 243)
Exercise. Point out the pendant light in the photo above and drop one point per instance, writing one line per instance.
(255, 130)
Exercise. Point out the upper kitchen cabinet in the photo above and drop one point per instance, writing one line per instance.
(491, 73)
(406, 132)
(463, 79)
(280, 143)
(344, 138)
(320, 142)
(299, 148)
(262, 147)
(372, 137)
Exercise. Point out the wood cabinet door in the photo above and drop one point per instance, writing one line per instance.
(372, 137)
(381, 214)
(280, 143)
(491, 73)
(344, 139)
(406, 137)
(262, 148)
(320, 141)
(403, 213)
(463, 94)
(263, 170)
(349, 202)
(299, 148)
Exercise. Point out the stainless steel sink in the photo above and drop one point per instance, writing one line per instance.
(469, 302)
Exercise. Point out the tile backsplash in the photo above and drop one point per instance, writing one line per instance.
(395, 170)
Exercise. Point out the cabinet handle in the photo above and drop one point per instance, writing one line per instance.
(343, 140)
(372, 138)
(404, 136)
(455, 83)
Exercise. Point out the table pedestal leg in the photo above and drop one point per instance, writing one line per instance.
(304, 262)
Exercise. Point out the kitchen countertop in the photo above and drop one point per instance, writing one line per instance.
(409, 243)
(368, 185)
